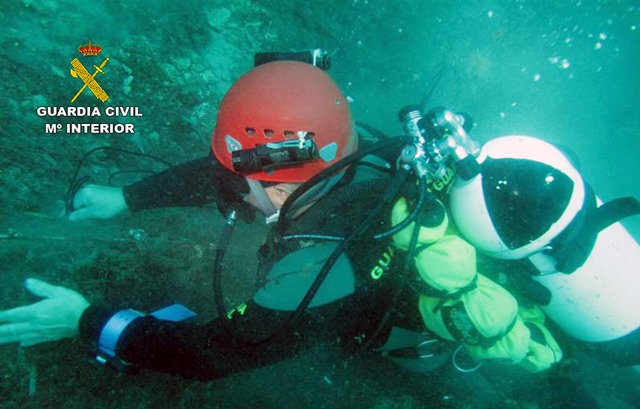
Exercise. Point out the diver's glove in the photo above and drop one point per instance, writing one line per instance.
(98, 202)
(56, 317)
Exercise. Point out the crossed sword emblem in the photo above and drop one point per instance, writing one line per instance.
(88, 79)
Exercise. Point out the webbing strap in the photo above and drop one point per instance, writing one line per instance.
(571, 250)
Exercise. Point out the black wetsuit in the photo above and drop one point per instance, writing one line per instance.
(350, 307)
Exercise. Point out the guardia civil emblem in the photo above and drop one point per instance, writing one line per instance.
(89, 80)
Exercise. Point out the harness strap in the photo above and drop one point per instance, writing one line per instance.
(612, 212)
(572, 248)
(421, 287)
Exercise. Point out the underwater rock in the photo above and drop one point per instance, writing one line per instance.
(218, 18)
(126, 84)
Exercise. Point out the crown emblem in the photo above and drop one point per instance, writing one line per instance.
(90, 50)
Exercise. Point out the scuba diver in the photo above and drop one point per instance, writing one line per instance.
(278, 126)
(372, 248)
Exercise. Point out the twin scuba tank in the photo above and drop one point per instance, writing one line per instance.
(528, 203)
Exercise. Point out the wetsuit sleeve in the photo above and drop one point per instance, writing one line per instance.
(208, 351)
(188, 184)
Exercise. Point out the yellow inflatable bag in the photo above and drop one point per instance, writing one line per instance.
(478, 317)
(512, 348)
(448, 264)
(544, 350)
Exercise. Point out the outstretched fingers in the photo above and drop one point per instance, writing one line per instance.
(16, 332)
(19, 314)
(43, 289)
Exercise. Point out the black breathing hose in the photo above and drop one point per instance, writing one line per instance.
(396, 183)
(413, 242)
(221, 249)
(391, 143)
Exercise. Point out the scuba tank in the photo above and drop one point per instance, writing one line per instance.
(520, 198)
(529, 203)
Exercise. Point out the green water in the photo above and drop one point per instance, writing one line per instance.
(567, 72)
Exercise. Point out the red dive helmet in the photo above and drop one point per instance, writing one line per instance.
(283, 109)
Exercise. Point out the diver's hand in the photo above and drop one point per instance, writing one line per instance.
(98, 202)
(55, 317)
